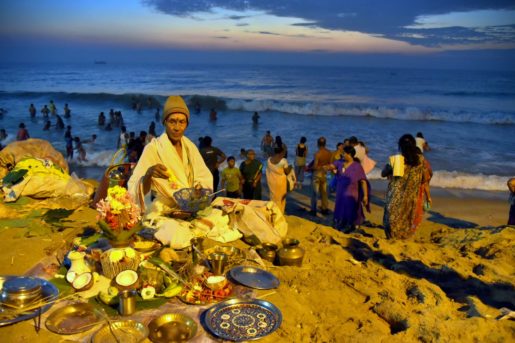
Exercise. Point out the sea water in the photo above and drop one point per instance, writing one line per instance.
(467, 116)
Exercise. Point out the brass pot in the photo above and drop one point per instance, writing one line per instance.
(290, 254)
(267, 251)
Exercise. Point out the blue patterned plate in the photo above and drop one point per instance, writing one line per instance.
(242, 320)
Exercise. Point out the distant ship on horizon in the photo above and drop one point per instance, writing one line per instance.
(100, 62)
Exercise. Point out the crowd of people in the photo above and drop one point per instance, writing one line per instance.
(343, 170)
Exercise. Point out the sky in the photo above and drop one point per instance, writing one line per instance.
(438, 33)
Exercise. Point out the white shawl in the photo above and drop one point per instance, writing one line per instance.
(188, 171)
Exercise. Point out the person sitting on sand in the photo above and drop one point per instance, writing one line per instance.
(406, 173)
(169, 162)
(511, 187)
(251, 170)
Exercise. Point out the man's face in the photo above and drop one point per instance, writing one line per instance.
(175, 125)
(231, 163)
(251, 155)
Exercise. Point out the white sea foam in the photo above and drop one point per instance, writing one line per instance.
(392, 112)
(454, 179)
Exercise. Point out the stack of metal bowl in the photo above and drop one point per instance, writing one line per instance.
(19, 292)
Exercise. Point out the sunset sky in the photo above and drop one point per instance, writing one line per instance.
(323, 31)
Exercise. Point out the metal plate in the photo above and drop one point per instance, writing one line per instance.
(241, 320)
(72, 319)
(49, 292)
(254, 277)
(126, 331)
(172, 327)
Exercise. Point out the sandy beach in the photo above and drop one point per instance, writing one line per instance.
(447, 284)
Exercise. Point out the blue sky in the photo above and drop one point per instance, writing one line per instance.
(375, 32)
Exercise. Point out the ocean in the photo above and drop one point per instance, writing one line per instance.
(467, 117)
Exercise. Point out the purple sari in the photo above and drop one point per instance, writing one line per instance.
(348, 208)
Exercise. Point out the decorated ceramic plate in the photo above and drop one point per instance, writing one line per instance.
(254, 277)
(49, 292)
(241, 320)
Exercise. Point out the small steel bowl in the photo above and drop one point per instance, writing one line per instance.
(21, 291)
(172, 327)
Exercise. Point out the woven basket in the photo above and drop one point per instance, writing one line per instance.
(193, 200)
(111, 269)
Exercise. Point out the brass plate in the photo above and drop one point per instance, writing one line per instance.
(126, 331)
(172, 327)
(72, 319)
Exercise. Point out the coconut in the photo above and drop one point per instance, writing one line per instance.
(70, 276)
(83, 282)
(126, 278)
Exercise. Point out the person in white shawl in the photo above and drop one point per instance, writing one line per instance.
(169, 162)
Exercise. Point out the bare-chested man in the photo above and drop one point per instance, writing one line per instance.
(319, 178)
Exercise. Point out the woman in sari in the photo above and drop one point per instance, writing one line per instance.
(351, 192)
(276, 170)
(402, 210)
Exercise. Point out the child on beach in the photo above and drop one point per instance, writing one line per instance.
(511, 187)
(232, 180)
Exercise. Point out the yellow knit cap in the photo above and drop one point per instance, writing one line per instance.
(175, 104)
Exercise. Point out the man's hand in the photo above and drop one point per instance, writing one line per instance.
(157, 171)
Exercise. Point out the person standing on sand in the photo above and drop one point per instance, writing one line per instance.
(406, 174)
(32, 111)
(22, 134)
(278, 143)
(352, 189)
(511, 187)
(321, 165)
(213, 157)
(276, 170)
(301, 152)
(251, 170)
(232, 179)
(267, 144)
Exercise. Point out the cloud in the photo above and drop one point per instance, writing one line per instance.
(242, 24)
(221, 37)
(392, 19)
(238, 17)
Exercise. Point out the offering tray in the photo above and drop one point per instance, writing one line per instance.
(254, 277)
(126, 331)
(172, 327)
(241, 320)
(48, 293)
(196, 292)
